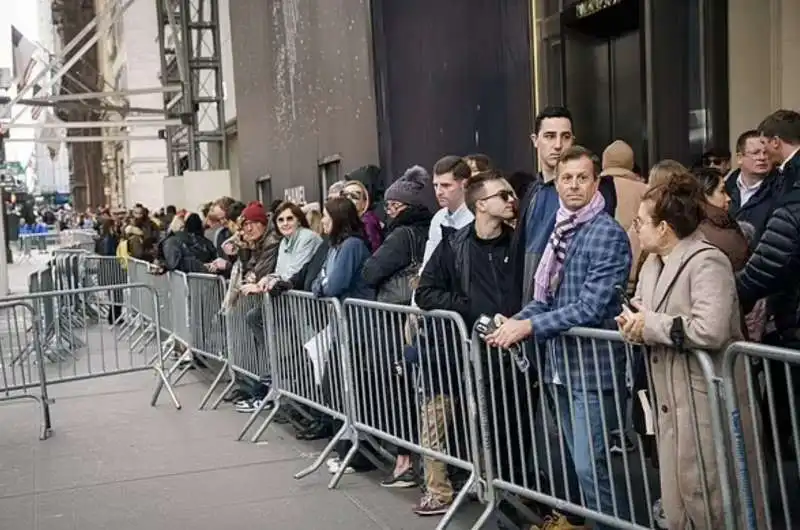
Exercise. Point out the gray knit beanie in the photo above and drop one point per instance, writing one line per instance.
(413, 188)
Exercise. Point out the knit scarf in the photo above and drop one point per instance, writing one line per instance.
(548, 273)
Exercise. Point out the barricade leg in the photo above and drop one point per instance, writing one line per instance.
(224, 369)
(228, 387)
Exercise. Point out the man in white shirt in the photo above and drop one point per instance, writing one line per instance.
(450, 174)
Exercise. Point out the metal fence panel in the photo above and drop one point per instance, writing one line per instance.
(21, 360)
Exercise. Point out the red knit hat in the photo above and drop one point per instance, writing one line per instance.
(254, 212)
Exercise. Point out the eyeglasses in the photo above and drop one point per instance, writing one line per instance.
(352, 195)
(505, 195)
(287, 219)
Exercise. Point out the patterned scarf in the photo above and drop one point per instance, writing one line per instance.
(548, 273)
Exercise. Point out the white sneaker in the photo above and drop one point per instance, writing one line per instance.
(334, 464)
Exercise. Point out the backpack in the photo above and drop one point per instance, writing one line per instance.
(122, 254)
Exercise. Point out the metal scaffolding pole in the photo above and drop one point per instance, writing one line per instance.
(189, 43)
(63, 69)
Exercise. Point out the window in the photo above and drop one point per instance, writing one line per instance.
(329, 172)
(264, 190)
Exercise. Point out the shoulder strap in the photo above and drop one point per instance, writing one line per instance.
(678, 275)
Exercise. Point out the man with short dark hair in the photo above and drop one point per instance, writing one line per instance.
(552, 134)
(450, 175)
(781, 133)
(752, 188)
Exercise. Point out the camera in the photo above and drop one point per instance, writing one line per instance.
(486, 325)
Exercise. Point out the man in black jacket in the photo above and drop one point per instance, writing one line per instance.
(771, 273)
(471, 273)
(753, 188)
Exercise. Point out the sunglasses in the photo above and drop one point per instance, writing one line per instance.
(286, 219)
(505, 195)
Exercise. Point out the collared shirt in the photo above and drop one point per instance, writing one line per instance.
(783, 165)
(746, 191)
(445, 219)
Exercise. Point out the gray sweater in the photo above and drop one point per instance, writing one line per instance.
(295, 251)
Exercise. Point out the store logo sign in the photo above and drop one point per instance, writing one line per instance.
(590, 7)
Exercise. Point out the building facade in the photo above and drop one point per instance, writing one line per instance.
(322, 89)
(763, 54)
(51, 156)
(145, 166)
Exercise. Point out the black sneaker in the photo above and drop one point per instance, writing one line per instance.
(406, 479)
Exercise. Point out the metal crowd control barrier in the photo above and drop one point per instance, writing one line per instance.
(442, 393)
(423, 404)
(19, 332)
(209, 325)
(30, 242)
(309, 360)
(80, 346)
(762, 396)
(550, 442)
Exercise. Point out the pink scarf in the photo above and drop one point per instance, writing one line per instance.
(548, 273)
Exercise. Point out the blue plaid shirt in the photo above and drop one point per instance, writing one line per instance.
(598, 258)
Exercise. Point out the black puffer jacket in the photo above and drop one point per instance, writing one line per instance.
(404, 245)
(771, 271)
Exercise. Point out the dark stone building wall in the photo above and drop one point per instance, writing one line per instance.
(304, 91)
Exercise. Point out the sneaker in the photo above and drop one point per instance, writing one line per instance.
(430, 505)
(334, 464)
(620, 443)
(250, 406)
(557, 522)
(406, 479)
(658, 515)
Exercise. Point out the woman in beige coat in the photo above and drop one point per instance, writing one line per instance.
(685, 300)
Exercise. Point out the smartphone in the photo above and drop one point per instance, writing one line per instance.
(624, 298)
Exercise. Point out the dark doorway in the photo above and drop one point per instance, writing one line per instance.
(604, 74)
(452, 77)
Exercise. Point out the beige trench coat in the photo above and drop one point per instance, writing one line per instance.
(704, 294)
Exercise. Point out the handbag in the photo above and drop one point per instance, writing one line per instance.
(399, 289)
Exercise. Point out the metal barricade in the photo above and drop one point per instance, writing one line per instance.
(548, 416)
(424, 403)
(248, 355)
(85, 347)
(97, 271)
(23, 375)
(145, 328)
(77, 239)
(208, 328)
(309, 364)
(30, 242)
(762, 398)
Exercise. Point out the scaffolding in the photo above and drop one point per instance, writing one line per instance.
(189, 44)
(193, 111)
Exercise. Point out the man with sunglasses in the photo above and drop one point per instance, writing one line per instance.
(470, 273)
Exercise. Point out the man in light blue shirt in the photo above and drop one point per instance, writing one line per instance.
(450, 174)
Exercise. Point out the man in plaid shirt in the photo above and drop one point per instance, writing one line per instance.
(587, 255)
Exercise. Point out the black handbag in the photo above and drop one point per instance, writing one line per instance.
(399, 289)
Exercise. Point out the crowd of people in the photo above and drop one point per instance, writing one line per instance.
(676, 260)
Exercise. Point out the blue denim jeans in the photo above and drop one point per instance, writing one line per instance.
(584, 435)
